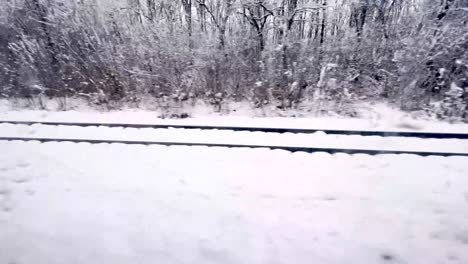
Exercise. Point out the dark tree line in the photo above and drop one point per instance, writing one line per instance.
(283, 52)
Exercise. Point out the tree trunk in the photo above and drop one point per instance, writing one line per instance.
(151, 5)
(202, 16)
(50, 45)
(323, 24)
(188, 17)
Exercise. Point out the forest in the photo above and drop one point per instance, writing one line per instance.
(281, 53)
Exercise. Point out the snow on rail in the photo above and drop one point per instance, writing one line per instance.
(432, 135)
(286, 148)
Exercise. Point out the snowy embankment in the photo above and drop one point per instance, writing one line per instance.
(82, 203)
(315, 140)
(372, 117)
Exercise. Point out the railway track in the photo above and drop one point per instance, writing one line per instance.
(236, 129)
(254, 129)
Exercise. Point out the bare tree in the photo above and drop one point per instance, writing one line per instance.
(413, 52)
(219, 11)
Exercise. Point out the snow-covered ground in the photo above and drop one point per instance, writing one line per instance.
(114, 203)
(82, 203)
(372, 117)
(315, 140)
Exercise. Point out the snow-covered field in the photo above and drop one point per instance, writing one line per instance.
(114, 203)
(82, 203)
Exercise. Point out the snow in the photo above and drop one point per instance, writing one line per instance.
(372, 117)
(315, 140)
(112, 203)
